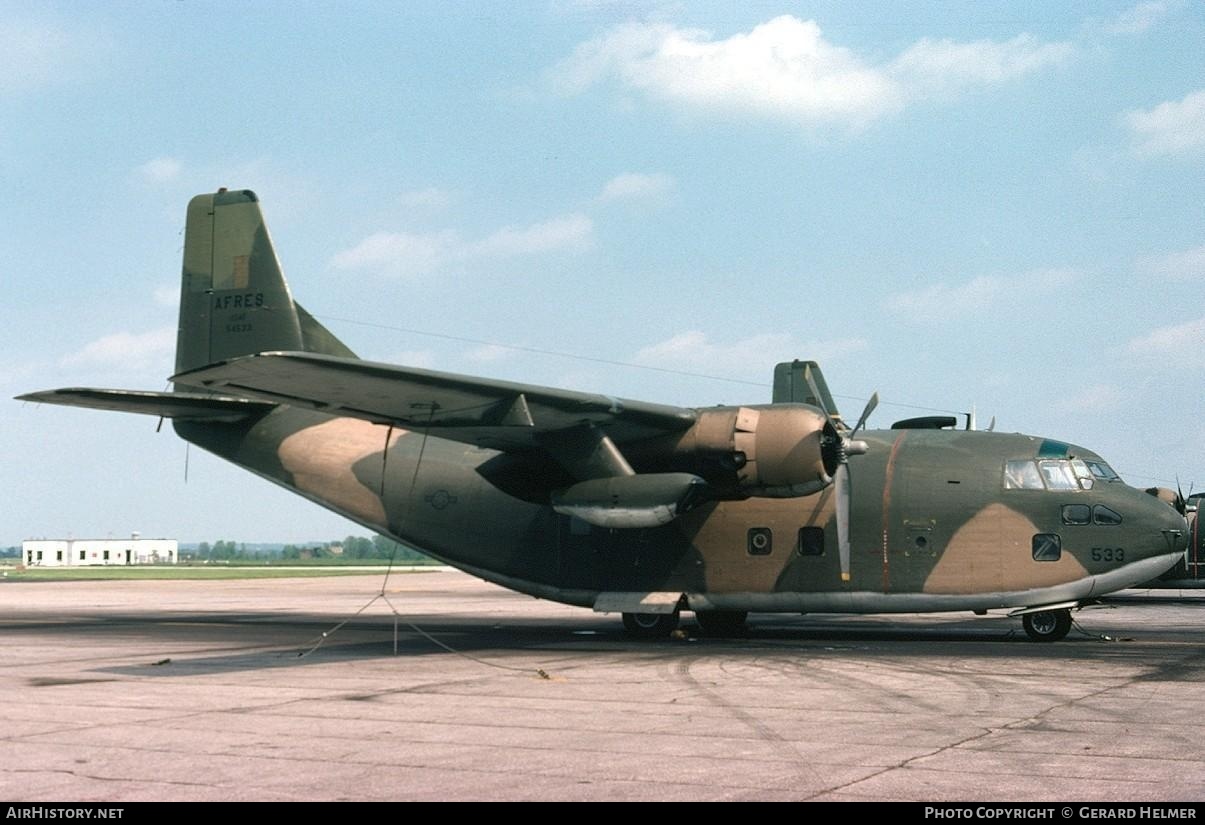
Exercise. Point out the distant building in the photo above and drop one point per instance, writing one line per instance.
(99, 552)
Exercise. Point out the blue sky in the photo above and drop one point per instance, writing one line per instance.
(998, 204)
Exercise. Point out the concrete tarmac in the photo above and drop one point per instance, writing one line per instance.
(195, 690)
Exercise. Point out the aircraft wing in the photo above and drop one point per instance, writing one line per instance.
(497, 414)
(196, 406)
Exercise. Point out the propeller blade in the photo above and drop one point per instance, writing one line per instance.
(992, 425)
(870, 405)
(841, 485)
(807, 376)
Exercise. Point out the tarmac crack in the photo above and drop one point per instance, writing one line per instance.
(763, 731)
(1017, 724)
(97, 778)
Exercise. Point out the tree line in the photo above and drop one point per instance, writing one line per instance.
(352, 547)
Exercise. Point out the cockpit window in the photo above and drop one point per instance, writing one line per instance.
(1103, 515)
(1082, 473)
(1022, 475)
(1057, 474)
(1101, 470)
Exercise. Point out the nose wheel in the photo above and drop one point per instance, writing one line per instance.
(1047, 625)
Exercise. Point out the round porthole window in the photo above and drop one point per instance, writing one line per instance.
(760, 541)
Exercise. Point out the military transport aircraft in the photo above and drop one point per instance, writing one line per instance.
(638, 508)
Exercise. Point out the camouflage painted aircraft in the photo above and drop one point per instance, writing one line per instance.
(638, 508)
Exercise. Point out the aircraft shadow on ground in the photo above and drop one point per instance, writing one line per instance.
(180, 645)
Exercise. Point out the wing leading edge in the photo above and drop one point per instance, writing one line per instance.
(497, 414)
(194, 406)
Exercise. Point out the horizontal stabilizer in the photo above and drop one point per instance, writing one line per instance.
(497, 414)
(185, 405)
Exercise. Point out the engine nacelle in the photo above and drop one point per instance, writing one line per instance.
(777, 451)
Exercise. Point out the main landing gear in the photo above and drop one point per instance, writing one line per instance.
(714, 623)
(1047, 625)
(650, 625)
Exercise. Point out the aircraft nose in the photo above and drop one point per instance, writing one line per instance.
(1162, 528)
(1174, 529)
(1158, 530)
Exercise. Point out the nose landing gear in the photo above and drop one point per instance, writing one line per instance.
(1047, 625)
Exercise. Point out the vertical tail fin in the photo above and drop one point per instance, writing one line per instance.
(234, 299)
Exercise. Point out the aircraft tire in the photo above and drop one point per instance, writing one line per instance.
(650, 625)
(1047, 625)
(722, 623)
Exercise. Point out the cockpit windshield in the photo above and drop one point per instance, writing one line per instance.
(1101, 470)
(1056, 474)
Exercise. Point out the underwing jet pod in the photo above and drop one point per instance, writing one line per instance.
(632, 507)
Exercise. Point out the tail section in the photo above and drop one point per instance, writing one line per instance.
(234, 299)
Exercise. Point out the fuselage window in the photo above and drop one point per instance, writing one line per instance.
(1047, 547)
(761, 541)
(1077, 514)
(811, 541)
(1057, 475)
(1103, 515)
(1021, 475)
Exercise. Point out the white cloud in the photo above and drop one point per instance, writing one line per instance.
(399, 253)
(37, 54)
(1090, 399)
(953, 300)
(1178, 266)
(423, 359)
(785, 68)
(633, 185)
(489, 353)
(126, 351)
(160, 170)
(975, 295)
(1137, 19)
(570, 232)
(406, 253)
(1174, 127)
(431, 199)
(167, 295)
(941, 67)
(13, 372)
(692, 351)
(1180, 340)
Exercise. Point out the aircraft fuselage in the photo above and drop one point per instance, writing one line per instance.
(934, 525)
